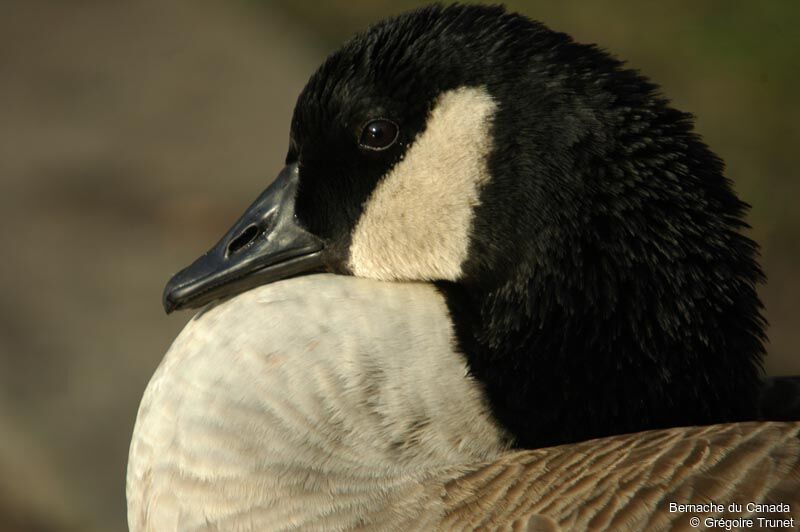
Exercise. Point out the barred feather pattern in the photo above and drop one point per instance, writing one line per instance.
(628, 482)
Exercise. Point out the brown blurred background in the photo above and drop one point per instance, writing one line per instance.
(133, 133)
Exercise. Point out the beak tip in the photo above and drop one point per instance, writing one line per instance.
(168, 299)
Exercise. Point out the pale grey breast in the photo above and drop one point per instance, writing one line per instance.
(297, 400)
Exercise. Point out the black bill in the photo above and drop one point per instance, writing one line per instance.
(266, 244)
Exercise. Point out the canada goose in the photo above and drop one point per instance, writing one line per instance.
(566, 264)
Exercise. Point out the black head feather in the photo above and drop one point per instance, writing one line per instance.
(609, 287)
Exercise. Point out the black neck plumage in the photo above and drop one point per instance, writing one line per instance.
(559, 366)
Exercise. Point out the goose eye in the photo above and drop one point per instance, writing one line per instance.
(378, 135)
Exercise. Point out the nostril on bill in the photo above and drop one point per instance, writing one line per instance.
(244, 239)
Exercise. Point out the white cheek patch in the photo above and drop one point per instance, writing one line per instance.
(417, 221)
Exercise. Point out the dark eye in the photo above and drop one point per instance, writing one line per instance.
(378, 135)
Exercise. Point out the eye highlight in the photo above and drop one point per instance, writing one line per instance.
(378, 134)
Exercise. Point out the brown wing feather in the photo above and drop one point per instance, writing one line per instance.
(629, 481)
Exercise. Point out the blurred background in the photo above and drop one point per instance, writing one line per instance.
(133, 133)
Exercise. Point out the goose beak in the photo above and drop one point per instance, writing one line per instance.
(265, 245)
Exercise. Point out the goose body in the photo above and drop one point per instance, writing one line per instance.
(539, 310)
(289, 407)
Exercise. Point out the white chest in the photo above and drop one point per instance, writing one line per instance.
(318, 400)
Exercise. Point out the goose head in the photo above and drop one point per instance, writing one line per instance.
(585, 239)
